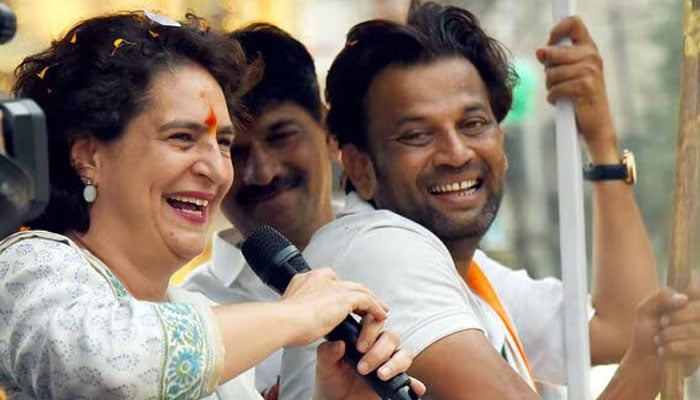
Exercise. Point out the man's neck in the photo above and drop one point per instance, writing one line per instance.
(462, 252)
(302, 238)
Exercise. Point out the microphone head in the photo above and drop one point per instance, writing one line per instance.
(260, 249)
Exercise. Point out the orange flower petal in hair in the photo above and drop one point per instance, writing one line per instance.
(41, 74)
(118, 42)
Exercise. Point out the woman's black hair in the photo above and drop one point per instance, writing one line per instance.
(96, 78)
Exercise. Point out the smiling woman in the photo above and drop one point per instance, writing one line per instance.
(141, 112)
(183, 172)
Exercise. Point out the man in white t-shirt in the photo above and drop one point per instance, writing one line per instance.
(416, 109)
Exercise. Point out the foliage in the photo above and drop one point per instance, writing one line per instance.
(656, 146)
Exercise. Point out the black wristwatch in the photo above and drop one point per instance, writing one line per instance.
(626, 170)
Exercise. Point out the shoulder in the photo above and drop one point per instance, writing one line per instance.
(39, 247)
(378, 245)
(372, 230)
(42, 258)
(501, 273)
(369, 244)
(517, 288)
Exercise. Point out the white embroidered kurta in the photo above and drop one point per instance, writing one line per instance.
(70, 329)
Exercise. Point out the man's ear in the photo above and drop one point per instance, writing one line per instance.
(333, 149)
(84, 158)
(360, 170)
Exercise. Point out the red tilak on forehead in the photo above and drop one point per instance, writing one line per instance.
(211, 121)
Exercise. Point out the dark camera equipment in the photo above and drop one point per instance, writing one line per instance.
(24, 170)
(8, 23)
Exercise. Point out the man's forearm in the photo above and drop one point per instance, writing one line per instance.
(623, 264)
(637, 379)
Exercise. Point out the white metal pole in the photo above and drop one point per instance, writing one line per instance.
(572, 238)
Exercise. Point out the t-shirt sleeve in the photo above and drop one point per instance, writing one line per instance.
(66, 331)
(415, 276)
(407, 269)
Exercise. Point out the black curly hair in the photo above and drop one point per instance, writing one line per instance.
(288, 72)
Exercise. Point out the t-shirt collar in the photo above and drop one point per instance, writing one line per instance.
(354, 204)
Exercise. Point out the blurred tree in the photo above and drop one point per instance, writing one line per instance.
(655, 147)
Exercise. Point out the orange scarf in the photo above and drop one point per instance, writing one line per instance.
(479, 283)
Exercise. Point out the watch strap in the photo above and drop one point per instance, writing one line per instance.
(605, 172)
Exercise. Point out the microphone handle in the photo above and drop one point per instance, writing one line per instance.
(396, 388)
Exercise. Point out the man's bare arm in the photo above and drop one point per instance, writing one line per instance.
(624, 270)
(465, 366)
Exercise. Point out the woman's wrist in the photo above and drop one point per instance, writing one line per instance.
(294, 323)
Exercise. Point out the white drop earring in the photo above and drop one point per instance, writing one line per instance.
(89, 191)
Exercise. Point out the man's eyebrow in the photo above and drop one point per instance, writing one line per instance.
(408, 119)
(283, 124)
(478, 106)
(194, 126)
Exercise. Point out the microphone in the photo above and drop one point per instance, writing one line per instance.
(276, 260)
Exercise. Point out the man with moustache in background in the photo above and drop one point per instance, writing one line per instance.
(283, 176)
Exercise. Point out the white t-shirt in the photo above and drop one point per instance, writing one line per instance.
(410, 269)
(228, 279)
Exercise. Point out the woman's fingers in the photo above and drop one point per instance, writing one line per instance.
(363, 302)
(322, 302)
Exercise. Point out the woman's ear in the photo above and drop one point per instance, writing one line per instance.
(84, 158)
(360, 170)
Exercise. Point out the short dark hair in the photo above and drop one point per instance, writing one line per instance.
(96, 78)
(433, 32)
(288, 71)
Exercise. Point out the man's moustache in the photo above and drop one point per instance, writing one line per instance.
(252, 193)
